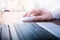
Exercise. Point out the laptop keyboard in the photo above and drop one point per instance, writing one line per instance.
(25, 31)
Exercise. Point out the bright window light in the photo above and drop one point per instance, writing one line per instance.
(19, 7)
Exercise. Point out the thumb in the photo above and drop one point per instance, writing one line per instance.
(39, 18)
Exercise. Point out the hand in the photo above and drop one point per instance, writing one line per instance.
(40, 14)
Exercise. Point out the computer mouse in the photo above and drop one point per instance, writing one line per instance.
(27, 19)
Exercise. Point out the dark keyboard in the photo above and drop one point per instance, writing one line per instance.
(25, 31)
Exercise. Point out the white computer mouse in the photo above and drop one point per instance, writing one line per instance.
(31, 18)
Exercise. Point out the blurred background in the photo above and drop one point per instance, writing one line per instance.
(27, 4)
(19, 7)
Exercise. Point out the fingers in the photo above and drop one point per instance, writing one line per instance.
(35, 18)
(33, 12)
(38, 18)
(41, 18)
(25, 14)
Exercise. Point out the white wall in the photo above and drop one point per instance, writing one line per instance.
(17, 4)
(47, 3)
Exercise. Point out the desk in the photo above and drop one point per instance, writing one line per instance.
(26, 32)
(53, 26)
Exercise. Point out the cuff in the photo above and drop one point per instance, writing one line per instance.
(55, 12)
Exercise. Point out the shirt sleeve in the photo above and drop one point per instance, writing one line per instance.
(56, 12)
